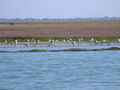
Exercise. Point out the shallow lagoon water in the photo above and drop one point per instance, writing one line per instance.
(85, 70)
(83, 46)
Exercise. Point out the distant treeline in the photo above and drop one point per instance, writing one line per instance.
(78, 18)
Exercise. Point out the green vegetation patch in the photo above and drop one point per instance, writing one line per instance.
(33, 50)
(4, 51)
(78, 49)
(72, 50)
(86, 39)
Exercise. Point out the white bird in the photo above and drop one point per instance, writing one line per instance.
(6, 41)
(64, 41)
(37, 41)
(33, 41)
(92, 40)
(27, 40)
(27, 44)
(74, 43)
(104, 41)
(70, 39)
(119, 40)
(50, 40)
(15, 42)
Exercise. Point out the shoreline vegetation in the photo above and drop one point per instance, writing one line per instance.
(58, 32)
(61, 39)
(58, 42)
(66, 50)
(45, 39)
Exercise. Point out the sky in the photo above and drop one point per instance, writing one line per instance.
(59, 8)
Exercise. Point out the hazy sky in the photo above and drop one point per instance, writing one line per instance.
(58, 8)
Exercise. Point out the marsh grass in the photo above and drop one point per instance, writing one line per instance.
(60, 29)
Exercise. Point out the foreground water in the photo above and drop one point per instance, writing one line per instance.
(93, 70)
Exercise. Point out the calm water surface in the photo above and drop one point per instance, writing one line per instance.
(91, 70)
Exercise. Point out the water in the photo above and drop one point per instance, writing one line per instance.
(56, 47)
(86, 70)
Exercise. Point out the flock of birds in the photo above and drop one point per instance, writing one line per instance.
(52, 42)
